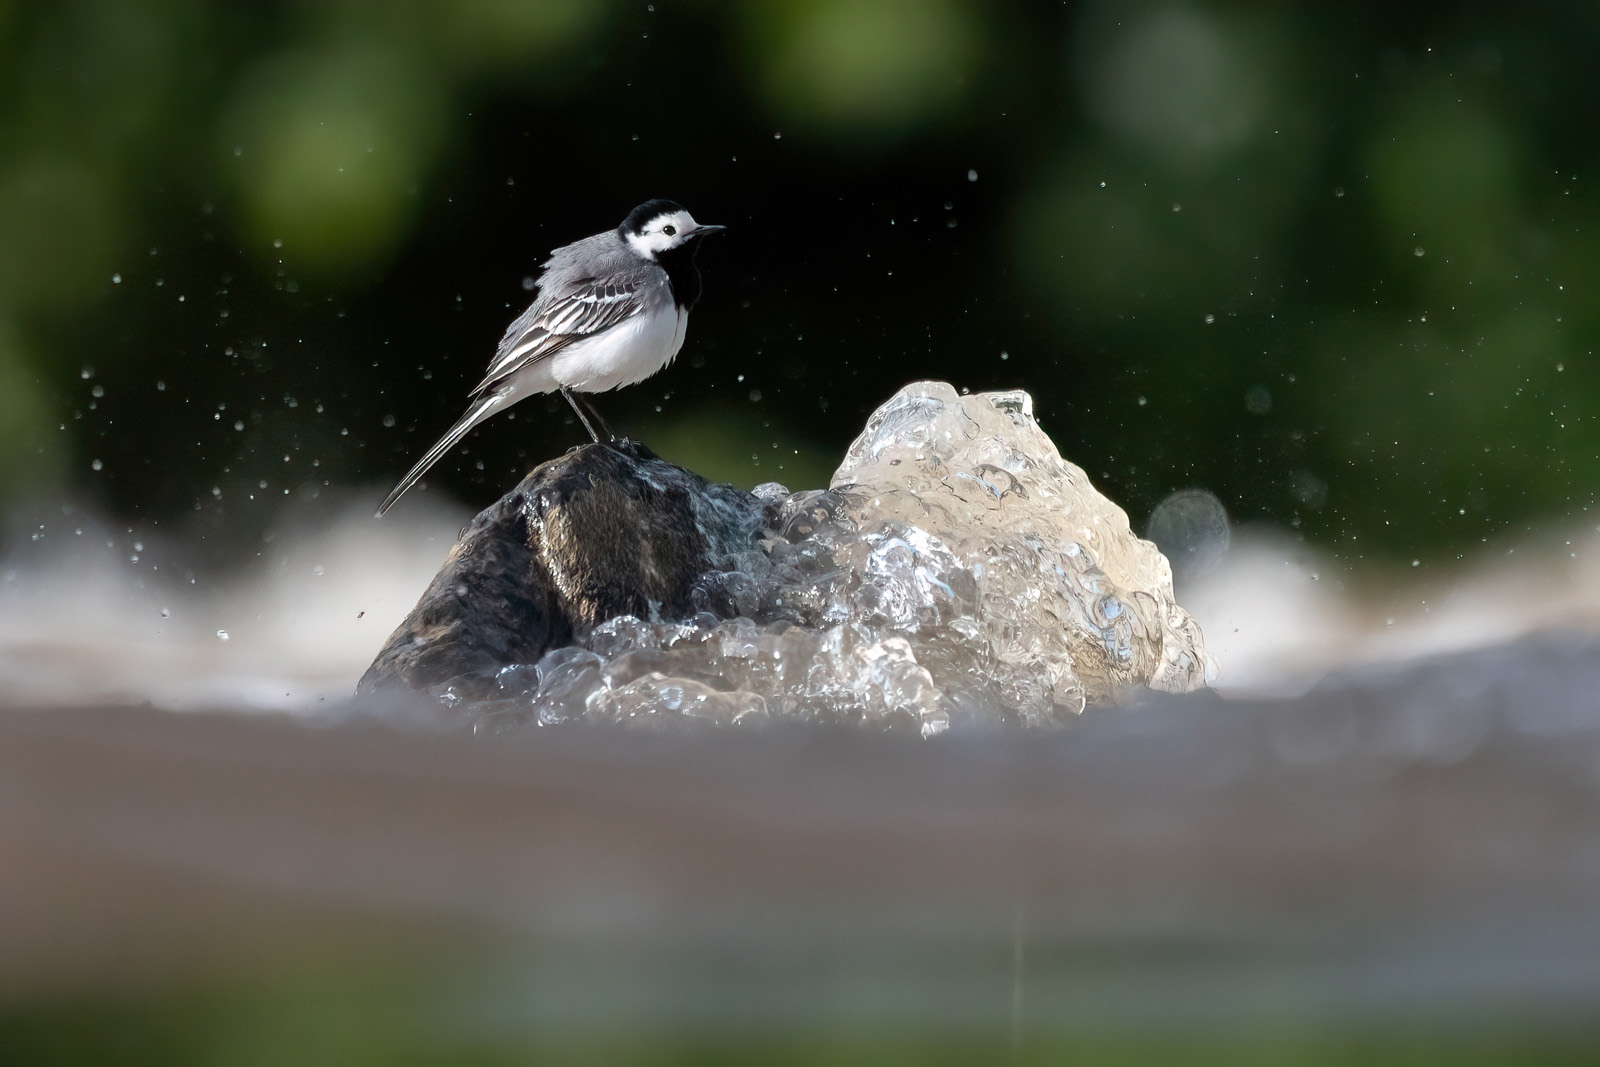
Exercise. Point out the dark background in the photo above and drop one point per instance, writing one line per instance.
(1334, 263)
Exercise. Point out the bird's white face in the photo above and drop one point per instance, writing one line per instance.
(663, 233)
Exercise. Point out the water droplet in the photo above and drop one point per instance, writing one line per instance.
(96, 465)
(972, 175)
(222, 635)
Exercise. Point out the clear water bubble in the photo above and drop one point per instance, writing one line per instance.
(1191, 528)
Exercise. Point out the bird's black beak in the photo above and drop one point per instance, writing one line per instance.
(707, 231)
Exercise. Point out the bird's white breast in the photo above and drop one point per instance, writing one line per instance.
(629, 352)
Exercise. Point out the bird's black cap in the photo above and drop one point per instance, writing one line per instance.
(646, 211)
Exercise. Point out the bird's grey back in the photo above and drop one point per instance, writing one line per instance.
(574, 266)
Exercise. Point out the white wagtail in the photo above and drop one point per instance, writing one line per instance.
(612, 310)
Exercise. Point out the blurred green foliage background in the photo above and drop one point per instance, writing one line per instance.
(1335, 263)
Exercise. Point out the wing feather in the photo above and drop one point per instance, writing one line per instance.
(584, 307)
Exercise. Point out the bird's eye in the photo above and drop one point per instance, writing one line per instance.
(669, 230)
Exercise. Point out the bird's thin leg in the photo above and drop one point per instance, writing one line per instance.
(594, 413)
(581, 416)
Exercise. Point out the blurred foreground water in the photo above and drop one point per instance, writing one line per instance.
(1400, 859)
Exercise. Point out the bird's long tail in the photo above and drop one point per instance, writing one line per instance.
(481, 409)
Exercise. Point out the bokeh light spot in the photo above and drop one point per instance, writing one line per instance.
(333, 148)
(1443, 181)
(59, 227)
(1177, 84)
(867, 66)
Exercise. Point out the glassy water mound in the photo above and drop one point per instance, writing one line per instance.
(957, 572)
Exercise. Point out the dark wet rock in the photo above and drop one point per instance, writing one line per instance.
(601, 532)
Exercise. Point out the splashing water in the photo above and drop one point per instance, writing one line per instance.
(957, 572)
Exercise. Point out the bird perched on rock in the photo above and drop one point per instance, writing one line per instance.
(612, 310)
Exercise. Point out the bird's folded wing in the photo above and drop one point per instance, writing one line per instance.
(589, 307)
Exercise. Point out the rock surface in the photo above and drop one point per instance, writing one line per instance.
(957, 572)
(605, 530)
